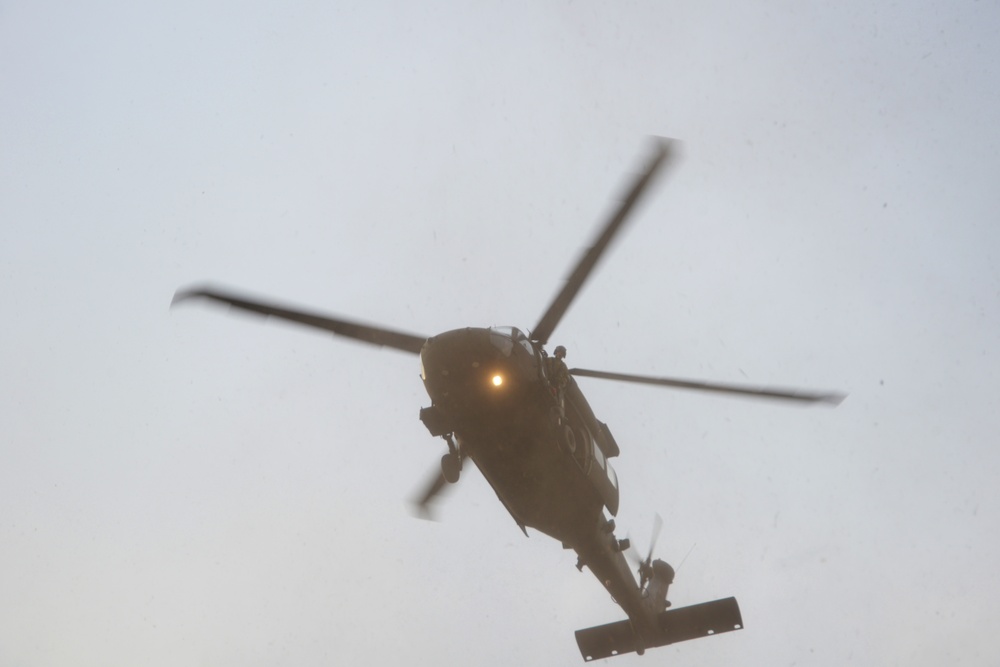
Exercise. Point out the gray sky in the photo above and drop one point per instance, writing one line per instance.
(189, 488)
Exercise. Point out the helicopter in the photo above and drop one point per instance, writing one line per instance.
(500, 401)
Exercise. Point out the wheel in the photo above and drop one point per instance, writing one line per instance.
(451, 468)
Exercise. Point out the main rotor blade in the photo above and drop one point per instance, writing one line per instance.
(586, 264)
(799, 395)
(435, 486)
(363, 332)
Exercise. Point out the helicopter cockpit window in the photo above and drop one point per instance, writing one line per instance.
(502, 338)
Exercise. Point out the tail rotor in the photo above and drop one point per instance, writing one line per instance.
(645, 566)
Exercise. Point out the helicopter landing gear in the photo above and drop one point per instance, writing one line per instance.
(451, 467)
(451, 463)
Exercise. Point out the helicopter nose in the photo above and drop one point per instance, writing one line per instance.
(462, 367)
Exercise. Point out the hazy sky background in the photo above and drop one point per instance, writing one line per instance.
(183, 487)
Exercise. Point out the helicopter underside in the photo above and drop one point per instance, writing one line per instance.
(542, 486)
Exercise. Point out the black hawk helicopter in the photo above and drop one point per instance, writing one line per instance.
(499, 400)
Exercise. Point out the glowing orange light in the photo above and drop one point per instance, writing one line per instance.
(497, 380)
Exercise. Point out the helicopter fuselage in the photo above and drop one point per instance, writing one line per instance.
(489, 389)
(547, 465)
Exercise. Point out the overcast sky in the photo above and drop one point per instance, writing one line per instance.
(187, 487)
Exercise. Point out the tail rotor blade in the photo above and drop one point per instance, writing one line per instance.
(657, 525)
(645, 565)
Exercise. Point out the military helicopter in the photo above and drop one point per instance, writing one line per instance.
(500, 401)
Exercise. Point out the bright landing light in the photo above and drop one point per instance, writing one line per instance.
(497, 380)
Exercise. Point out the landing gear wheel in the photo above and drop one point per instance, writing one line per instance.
(451, 467)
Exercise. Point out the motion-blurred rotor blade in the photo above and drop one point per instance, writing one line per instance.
(586, 264)
(799, 395)
(645, 565)
(657, 525)
(437, 483)
(633, 553)
(363, 332)
(423, 502)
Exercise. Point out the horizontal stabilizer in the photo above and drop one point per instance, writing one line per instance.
(605, 641)
(676, 625)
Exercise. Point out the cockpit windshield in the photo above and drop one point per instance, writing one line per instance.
(502, 338)
(509, 332)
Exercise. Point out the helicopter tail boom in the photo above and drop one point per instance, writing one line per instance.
(675, 625)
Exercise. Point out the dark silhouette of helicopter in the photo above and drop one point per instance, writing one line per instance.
(540, 447)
